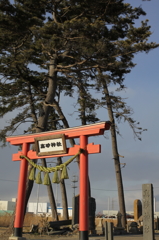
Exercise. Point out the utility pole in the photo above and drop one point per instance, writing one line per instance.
(112, 204)
(108, 205)
(37, 199)
(74, 180)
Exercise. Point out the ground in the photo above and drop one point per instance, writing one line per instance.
(75, 236)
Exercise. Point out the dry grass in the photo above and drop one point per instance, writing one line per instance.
(29, 219)
(5, 220)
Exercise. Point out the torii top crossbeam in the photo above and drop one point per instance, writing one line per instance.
(81, 132)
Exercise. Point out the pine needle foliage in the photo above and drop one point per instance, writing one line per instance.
(80, 37)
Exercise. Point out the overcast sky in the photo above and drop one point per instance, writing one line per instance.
(141, 157)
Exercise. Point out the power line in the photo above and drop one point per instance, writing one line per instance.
(106, 190)
(97, 189)
(7, 180)
(74, 180)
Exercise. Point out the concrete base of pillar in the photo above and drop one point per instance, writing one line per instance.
(17, 238)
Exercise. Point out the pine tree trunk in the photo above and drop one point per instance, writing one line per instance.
(63, 194)
(42, 126)
(118, 175)
(51, 196)
(115, 156)
(72, 141)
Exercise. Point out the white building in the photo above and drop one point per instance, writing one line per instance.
(7, 205)
(60, 211)
(37, 207)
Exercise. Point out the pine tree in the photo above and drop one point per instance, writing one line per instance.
(50, 47)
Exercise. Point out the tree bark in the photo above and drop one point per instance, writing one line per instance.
(51, 196)
(42, 126)
(63, 194)
(115, 156)
(72, 141)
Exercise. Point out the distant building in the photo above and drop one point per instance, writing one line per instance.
(60, 211)
(38, 208)
(7, 205)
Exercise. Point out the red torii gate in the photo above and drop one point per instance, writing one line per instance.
(82, 132)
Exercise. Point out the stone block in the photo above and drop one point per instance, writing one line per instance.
(108, 231)
(137, 209)
(99, 228)
(132, 227)
(92, 209)
(148, 212)
(17, 238)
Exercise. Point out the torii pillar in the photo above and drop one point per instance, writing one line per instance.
(82, 132)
